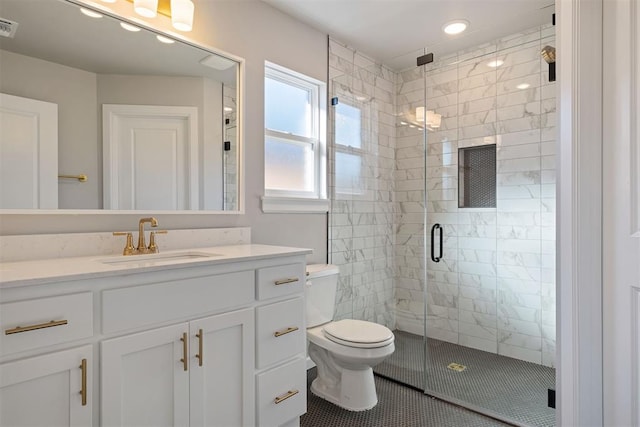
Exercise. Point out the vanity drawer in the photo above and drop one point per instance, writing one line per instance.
(282, 393)
(279, 281)
(280, 331)
(31, 324)
(137, 306)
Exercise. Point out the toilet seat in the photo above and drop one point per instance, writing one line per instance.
(358, 333)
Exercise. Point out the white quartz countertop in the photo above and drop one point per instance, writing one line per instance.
(42, 271)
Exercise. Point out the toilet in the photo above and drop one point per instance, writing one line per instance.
(344, 351)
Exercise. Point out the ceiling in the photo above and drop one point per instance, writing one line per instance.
(56, 31)
(396, 31)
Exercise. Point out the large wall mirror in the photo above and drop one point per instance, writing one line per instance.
(97, 113)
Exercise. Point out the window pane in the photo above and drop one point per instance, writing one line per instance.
(287, 108)
(348, 173)
(348, 126)
(288, 165)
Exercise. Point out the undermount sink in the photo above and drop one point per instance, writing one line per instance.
(161, 257)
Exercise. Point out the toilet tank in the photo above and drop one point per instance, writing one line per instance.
(320, 293)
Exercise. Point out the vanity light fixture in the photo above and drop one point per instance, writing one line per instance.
(433, 119)
(90, 13)
(496, 63)
(180, 11)
(165, 40)
(129, 27)
(455, 27)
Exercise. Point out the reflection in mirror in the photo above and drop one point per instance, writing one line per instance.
(152, 125)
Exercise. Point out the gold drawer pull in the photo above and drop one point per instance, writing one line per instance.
(285, 396)
(184, 360)
(20, 329)
(200, 336)
(83, 390)
(285, 332)
(285, 281)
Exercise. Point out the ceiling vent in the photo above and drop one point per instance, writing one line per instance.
(8, 28)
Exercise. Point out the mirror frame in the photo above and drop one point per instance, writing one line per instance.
(160, 25)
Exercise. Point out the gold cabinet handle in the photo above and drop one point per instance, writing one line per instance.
(285, 332)
(285, 281)
(83, 390)
(20, 329)
(285, 396)
(184, 360)
(200, 345)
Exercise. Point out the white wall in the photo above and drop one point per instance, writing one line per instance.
(256, 32)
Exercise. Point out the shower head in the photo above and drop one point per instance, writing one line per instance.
(548, 54)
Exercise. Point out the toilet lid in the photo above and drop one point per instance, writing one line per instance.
(358, 333)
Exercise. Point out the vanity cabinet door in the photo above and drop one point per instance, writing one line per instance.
(145, 379)
(222, 359)
(49, 390)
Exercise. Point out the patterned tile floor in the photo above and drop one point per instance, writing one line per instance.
(398, 406)
(508, 387)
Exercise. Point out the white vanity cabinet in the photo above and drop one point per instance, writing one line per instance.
(48, 390)
(198, 373)
(193, 344)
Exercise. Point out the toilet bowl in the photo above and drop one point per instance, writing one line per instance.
(344, 351)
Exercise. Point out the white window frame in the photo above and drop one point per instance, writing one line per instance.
(277, 200)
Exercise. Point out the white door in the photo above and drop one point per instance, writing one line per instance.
(47, 390)
(150, 157)
(28, 153)
(621, 213)
(144, 381)
(222, 389)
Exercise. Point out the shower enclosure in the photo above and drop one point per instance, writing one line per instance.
(443, 219)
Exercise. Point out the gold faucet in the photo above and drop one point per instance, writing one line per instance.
(142, 246)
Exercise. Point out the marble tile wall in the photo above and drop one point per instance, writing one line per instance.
(361, 233)
(495, 287)
(230, 157)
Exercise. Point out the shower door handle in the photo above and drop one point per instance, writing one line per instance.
(435, 227)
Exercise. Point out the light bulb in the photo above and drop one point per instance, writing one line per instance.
(182, 14)
(146, 8)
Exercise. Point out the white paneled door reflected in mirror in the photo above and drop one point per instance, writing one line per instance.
(150, 122)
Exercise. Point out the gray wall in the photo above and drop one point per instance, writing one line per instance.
(74, 91)
(256, 32)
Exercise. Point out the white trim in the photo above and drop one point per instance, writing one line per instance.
(294, 205)
(579, 218)
(317, 90)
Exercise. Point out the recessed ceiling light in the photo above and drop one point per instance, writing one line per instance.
(228, 109)
(455, 27)
(496, 63)
(523, 86)
(403, 123)
(164, 39)
(109, 1)
(90, 13)
(129, 27)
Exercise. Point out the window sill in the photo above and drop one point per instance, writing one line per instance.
(294, 205)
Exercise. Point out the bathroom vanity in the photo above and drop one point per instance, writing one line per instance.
(201, 337)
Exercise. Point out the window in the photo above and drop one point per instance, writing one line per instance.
(349, 149)
(295, 152)
(477, 177)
